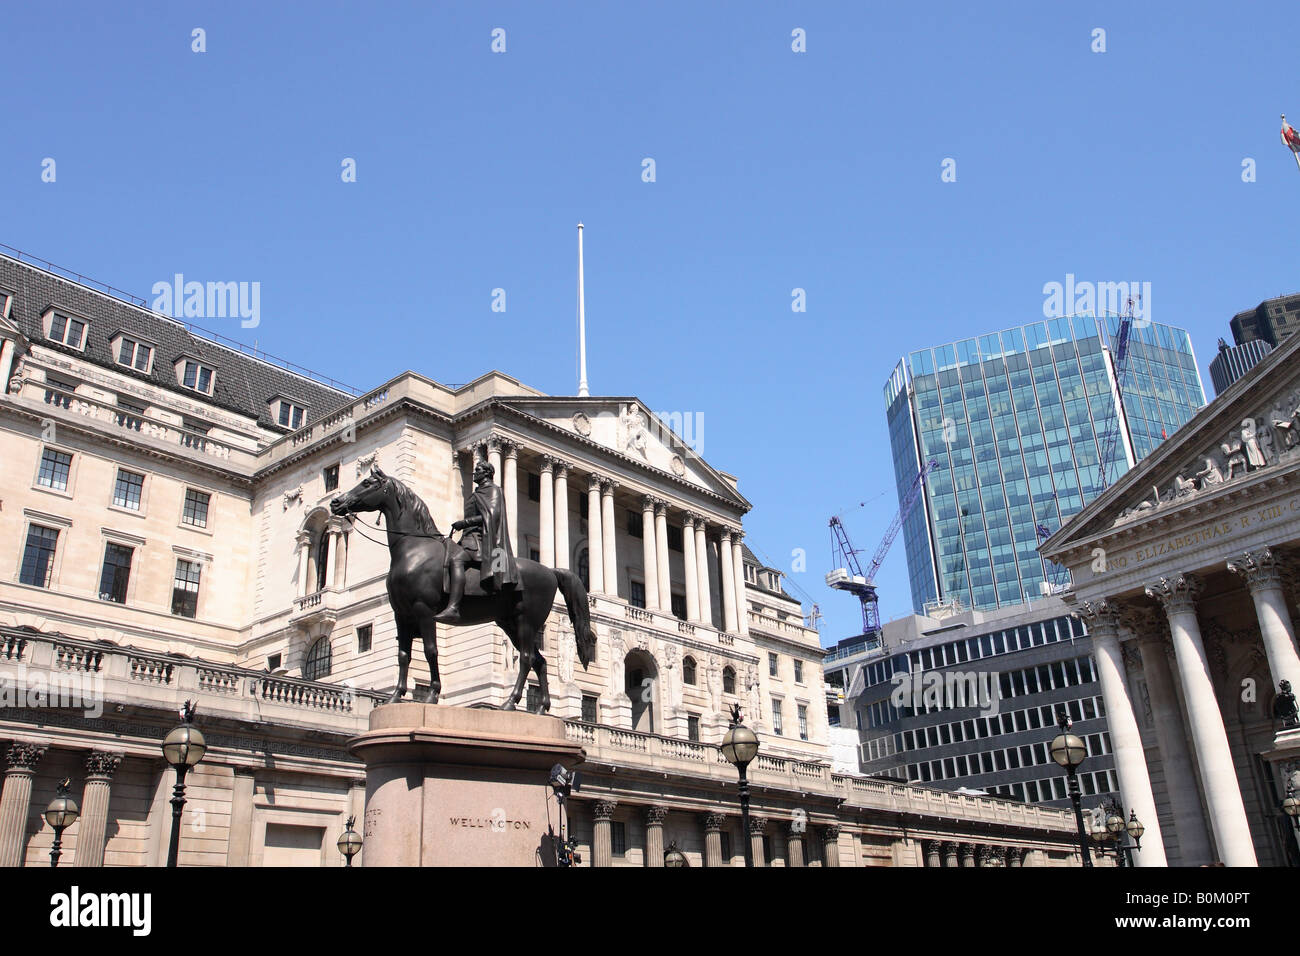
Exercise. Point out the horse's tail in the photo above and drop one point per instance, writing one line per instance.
(575, 597)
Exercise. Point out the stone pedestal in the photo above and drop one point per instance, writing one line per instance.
(459, 786)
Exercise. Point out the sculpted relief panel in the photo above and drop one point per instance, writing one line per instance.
(1260, 442)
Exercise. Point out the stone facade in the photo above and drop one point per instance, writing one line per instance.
(170, 544)
(1185, 572)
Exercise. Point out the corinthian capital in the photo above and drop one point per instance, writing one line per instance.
(1177, 594)
(24, 755)
(1102, 615)
(1261, 569)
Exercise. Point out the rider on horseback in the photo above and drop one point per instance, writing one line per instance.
(486, 542)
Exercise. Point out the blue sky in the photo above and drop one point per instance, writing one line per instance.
(775, 170)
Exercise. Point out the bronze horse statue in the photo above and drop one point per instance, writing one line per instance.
(418, 560)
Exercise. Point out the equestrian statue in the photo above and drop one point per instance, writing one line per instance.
(433, 579)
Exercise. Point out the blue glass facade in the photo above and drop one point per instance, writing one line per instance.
(1018, 422)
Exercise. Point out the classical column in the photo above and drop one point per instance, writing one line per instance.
(100, 768)
(561, 514)
(692, 576)
(15, 798)
(595, 548)
(728, 581)
(334, 566)
(1218, 774)
(304, 561)
(654, 835)
(713, 823)
(602, 847)
(1130, 756)
(1013, 856)
(665, 585)
(757, 827)
(649, 559)
(607, 487)
(738, 569)
(1171, 737)
(510, 491)
(494, 444)
(831, 844)
(967, 853)
(794, 846)
(949, 853)
(341, 559)
(1263, 575)
(546, 505)
(931, 848)
(702, 569)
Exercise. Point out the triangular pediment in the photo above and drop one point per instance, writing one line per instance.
(1250, 431)
(627, 428)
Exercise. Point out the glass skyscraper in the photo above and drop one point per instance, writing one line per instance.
(1018, 422)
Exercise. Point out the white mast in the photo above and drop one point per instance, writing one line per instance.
(582, 325)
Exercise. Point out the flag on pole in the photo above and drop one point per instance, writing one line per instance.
(1291, 139)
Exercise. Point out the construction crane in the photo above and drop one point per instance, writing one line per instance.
(1110, 441)
(848, 575)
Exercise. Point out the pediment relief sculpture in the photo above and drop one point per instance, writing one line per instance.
(1258, 443)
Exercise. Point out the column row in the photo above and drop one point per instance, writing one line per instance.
(21, 760)
(956, 853)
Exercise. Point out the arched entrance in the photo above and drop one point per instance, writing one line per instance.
(641, 682)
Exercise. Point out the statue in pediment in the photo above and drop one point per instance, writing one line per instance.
(1183, 487)
(1285, 422)
(1236, 456)
(1210, 475)
(1250, 437)
(636, 430)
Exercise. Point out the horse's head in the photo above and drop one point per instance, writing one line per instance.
(371, 495)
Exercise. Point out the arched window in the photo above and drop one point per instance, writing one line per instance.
(728, 680)
(319, 660)
(322, 561)
(688, 670)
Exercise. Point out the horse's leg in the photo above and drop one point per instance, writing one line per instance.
(522, 638)
(429, 631)
(403, 657)
(539, 667)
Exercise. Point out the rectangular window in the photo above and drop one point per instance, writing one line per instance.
(291, 415)
(273, 662)
(693, 728)
(331, 477)
(726, 846)
(38, 556)
(674, 538)
(534, 555)
(637, 596)
(535, 488)
(185, 588)
(773, 663)
(798, 672)
(634, 524)
(197, 377)
(589, 708)
(803, 721)
(127, 491)
(776, 718)
(116, 573)
(134, 354)
(71, 332)
(617, 837)
(55, 468)
(534, 698)
(364, 637)
(679, 606)
(196, 508)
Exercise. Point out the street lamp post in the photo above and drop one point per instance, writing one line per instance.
(1069, 751)
(1291, 806)
(61, 814)
(739, 746)
(183, 748)
(675, 857)
(349, 842)
(1113, 833)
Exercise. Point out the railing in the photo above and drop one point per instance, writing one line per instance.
(74, 657)
(150, 669)
(311, 600)
(12, 647)
(302, 693)
(686, 627)
(725, 638)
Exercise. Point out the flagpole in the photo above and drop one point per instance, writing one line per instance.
(582, 325)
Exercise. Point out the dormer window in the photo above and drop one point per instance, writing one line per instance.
(67, 329)
(133, 353)
(195, 375)
(290, 415)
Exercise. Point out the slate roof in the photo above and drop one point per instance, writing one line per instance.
(244, 384)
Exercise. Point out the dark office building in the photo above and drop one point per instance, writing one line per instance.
(1017, 667)
(1271, 321)
(1234, 361)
